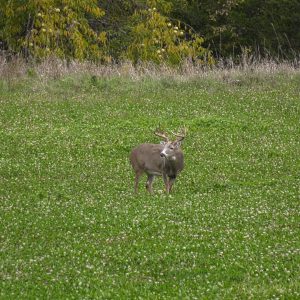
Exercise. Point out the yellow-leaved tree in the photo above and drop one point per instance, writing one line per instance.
(154, 37)
(40, 28)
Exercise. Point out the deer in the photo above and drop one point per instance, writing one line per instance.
(164, 159)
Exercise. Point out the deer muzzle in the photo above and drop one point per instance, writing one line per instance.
(163, 154)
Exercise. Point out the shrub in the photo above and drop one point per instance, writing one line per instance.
(156, 38)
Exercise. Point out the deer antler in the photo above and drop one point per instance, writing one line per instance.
(180, 135)
(161, 134)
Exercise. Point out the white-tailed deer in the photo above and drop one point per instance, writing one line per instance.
(164, 159)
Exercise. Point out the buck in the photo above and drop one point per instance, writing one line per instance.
(164, 159)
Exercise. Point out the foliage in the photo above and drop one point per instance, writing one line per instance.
(267, 28)
(116, 24)
(53, 27)
(106, 30)
(157, 38)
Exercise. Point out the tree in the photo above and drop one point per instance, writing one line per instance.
(210, 18)
(155, 37)
(267, 27)
(52, 27)
(105, 29)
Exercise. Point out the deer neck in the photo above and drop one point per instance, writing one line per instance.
(170, 164)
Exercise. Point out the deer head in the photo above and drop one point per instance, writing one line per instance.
(170, 147)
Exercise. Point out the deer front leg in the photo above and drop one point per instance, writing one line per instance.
(171, 182)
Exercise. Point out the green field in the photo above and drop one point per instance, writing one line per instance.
(71, 227)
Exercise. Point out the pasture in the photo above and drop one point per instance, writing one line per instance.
(71, 227)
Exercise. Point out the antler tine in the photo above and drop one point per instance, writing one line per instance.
(181, 135)
(161, 134)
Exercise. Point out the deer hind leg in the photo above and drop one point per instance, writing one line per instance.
(149, 183)
(136, 181)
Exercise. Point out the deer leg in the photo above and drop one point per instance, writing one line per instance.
(149, 183)
(171, 182)
(166, 181)
(136, 182)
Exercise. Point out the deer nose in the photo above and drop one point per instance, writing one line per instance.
(162, 154)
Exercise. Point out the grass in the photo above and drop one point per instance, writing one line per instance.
(71, 227)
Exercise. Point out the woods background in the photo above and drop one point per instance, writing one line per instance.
(167, 31)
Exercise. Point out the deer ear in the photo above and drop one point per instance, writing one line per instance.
(177, 144)
(162, 142)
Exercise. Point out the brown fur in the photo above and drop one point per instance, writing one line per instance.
(146, 158)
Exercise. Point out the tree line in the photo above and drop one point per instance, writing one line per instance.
(150, 30)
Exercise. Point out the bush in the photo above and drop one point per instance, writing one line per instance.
(156, 38)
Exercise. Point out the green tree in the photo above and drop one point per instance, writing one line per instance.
(209, 18)
(94, 29)
(120, 17)
(116, 23)
(156, 38)
(270, 27)
(52, 27)
(267, 27)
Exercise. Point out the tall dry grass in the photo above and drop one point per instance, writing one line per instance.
(15, 68)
